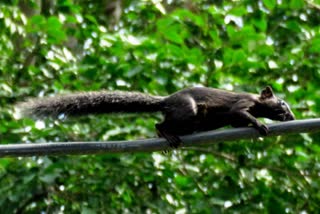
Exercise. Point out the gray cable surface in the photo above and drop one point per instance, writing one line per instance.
(156, 144)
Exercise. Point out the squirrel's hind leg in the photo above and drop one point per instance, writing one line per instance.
(180, 118)
(171, 130)
(173, 140)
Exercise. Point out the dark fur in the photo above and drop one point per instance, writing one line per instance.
(91, 103)
(218, 108)
(186, 111)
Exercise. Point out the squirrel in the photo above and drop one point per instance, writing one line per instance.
(185, 112)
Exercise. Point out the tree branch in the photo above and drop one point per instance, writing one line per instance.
(312, 4)
(157, 144)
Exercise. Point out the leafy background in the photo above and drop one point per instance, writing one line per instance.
(158, 47)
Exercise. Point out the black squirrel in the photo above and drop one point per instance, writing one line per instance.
(185, 112)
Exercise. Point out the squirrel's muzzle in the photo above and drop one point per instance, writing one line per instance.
(288, 117)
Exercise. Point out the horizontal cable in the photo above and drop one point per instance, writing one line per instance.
(155, 144)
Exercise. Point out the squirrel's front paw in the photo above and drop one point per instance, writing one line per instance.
(263, 129)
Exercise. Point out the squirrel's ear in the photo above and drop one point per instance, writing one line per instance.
(266, 93)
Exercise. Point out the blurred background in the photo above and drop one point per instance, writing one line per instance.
(53, 47)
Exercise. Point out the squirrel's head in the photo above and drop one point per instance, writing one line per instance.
(274, 107)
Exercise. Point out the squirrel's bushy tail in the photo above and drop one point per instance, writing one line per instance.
(91, 103)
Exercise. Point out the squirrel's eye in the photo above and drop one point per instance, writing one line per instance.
(281, 102)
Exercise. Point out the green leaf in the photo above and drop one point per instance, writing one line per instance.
(315, 45)
(293, 25)
(171, 31)
(270, 4)
(261, 24)
(36, 23)
(188, 15)
(55, 32)
(296, 4)
(182, 181)
(238, 11)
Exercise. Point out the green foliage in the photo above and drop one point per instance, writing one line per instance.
(157, 47)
